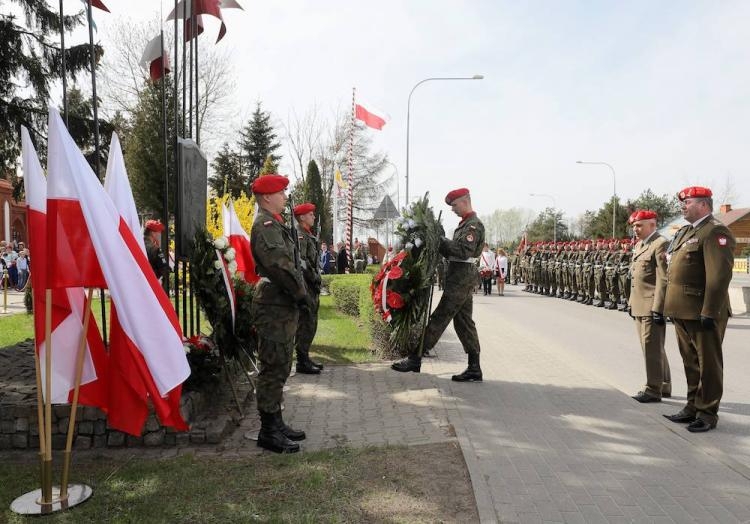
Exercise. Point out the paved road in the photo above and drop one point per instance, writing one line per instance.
(552, 435)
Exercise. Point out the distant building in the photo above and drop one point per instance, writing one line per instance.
(12, 215)
(737, 220)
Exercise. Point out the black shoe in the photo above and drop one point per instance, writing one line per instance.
(473, 373)
(700, 426)
(317, 364)
(599, 303)
(306, 367)
(270, 436)
(291, 434)
(612, 306)
(645, 398)
(682, 417)
(410, 363)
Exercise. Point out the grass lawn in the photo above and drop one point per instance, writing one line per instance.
(427, 483)
(340, 339)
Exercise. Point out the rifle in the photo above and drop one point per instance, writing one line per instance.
(295, 235)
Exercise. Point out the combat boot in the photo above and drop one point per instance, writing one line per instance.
(291, 434)
(410, 363)
(306, 367)
(473, 373)
(271, 437)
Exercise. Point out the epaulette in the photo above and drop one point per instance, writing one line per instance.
(268, 222)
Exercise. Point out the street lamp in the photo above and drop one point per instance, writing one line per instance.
(398, 199)
(408, 112)
(614, 190)
(554, 214)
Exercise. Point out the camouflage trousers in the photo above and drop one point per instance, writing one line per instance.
(275, 360)
(306, 329)
(456, 304)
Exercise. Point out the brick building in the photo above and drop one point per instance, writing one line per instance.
(12, 215)
(738, 222)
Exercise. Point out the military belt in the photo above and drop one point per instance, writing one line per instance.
(465, 261)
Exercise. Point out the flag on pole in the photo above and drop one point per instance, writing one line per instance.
(117, 186)
(147, 359)
(371, 117)
(67, 304)
(202, 7)
(240, 241)
(152, 59)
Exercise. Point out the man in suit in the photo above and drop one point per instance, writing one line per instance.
(700, 260)
(647, 288)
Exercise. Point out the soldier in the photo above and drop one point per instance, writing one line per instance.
(275, 310)
(152, 240)
(649, 283)
(526, 261)
(308, 317)
(610, 273)
(536, 268)
(623, 274)
(580, 254)
(456, 302)
(599, 262)
(588, 274)
(700, 260)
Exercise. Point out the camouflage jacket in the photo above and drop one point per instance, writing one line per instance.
(309, 256)
(467, 243)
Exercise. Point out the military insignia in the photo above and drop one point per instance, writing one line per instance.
(268, 222)
(470, 237)
(722, 240)
(692, 241)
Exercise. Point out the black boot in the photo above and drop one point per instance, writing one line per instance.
(306, 367)
(473, 373)
(410, 363)
(291, 434)
(271, 437)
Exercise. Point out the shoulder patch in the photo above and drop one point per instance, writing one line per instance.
(722, 240)
(268, 222)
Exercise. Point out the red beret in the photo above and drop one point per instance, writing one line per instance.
(267, 184)
(456, 193)
(154, 225)
(625, 241)
(694, 192)
(642, 214)
(303, 209)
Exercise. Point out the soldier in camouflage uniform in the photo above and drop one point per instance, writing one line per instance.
(536, 268)
(610, 272)
(456, 302)
(623, 273)
(279, 295)
(526, 262)
(308, 317)
(587, 275)
(598, 270)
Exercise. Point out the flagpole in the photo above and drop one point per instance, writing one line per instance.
(62, 57)
(197, 99)
(47, 467)
(350, 206)
(95, 105)
(76, 390)
(190, 83)
(165, 212)
(176, 137)
(184, 79)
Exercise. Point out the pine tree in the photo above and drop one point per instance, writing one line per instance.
(228, 173)
(314, 191)
(270, 167)
(81, 128)
(258, 142)
(30, 62)
(144, 152)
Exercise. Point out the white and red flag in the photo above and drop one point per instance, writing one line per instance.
(240, 241)
(68, 305)
(117, 186)
(202, 7)
(371, 116)
(155, 59)
(147, 359)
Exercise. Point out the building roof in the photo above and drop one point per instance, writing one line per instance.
(733, 215)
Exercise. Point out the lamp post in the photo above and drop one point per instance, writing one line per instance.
(554, 214)
(408, 116)
(614, 190)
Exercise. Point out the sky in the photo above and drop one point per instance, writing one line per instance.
(656, 89)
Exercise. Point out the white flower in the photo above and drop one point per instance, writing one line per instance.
(220, 243)
(218, 264)
(417, 242)
(230, 254)
(412, 224)
(232, 267)
(408, 246)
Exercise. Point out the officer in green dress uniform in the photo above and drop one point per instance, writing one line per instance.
(700, 260)
(456, 301)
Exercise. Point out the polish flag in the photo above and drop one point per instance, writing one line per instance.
(117, 186)
(202, 7)
(153, 57)
(68, 305)
(147, 359)
(240, 241)
(371, 117)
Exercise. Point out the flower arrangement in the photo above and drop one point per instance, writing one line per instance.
(401, 290)
(205, 365)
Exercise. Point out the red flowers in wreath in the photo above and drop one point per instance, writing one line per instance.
(391, 270)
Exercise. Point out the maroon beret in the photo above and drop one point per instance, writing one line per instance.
(303, 209)
(694, 192)
(154, 225)
(267, 184)
(456, 193)
(643, 214)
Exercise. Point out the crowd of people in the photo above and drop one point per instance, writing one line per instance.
(15, 265)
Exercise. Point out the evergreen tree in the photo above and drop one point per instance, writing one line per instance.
(600, 223)
(228, 174)
(270, 167)
(144, 151)
(81, 129)
(540, 229)
(30, 62)
(666, 206)
(257, 143)
(314, 191)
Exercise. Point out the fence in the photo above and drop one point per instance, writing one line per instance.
(741, 265)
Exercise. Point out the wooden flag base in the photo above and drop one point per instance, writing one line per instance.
(31, 503)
